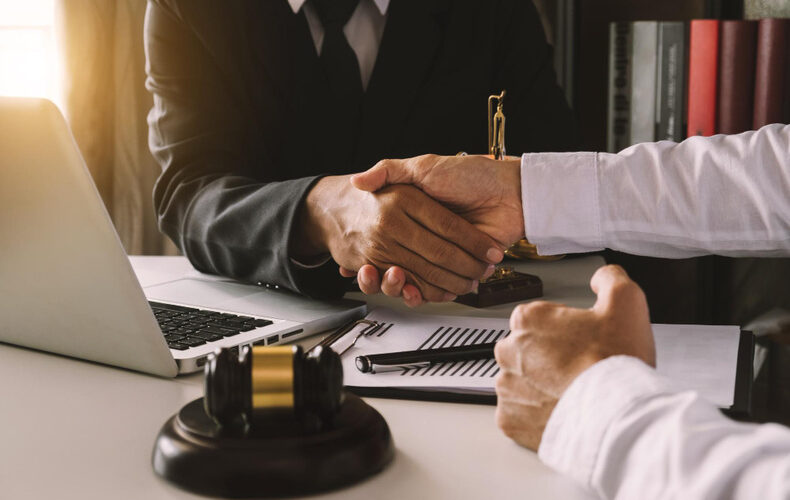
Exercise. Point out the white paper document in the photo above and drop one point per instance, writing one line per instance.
(701, 358)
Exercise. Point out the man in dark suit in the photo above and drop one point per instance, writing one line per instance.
(262, 106)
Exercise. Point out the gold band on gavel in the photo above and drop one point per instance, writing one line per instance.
(273, 378)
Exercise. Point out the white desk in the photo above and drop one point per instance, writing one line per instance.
(73, 429)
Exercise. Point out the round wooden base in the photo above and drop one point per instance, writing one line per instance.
(282, 459)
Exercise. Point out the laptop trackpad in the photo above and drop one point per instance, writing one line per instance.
(245, 299)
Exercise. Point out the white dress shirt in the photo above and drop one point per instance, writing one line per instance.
(363, 31)
(619, 429)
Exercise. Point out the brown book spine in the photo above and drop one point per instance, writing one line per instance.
(770, 87)
(738, 48)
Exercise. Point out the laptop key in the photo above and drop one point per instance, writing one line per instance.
(208, 337)
(261, 322)
(177, 346)
(222, 326)
(240, 320)
(192, 341)
(218, 331)
(174, 338)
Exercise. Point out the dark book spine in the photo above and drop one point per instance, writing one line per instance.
(565, 47)
(670, 81)
(619, 112)
(770, 88)
(724, 9)
(643, 81)
(736, 76)
(703, 72)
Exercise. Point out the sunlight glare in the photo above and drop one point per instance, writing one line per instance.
(27, 49)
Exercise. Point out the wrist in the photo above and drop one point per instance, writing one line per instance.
(512, 196)
(312, 236)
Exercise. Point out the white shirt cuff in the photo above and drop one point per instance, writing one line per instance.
(592, 403)
(560, 202)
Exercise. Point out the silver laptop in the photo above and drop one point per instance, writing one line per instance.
(66, 284)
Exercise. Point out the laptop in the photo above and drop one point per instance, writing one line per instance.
(67, 287)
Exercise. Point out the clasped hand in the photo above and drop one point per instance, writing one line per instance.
(400, 226)
(484, 192)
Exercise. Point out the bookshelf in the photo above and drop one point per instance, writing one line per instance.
(703, 290)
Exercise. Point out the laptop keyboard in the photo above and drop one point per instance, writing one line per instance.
(186, 327)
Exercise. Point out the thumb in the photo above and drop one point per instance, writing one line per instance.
(611, 284)
(382, 174)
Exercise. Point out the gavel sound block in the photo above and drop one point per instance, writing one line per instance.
(273, 423)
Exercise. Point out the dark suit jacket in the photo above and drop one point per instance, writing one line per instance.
(243, 119)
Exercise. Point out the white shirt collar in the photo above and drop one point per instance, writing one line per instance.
(383, 5)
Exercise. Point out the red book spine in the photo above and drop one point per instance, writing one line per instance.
(770, 88)
(703, 71)
(736, 76)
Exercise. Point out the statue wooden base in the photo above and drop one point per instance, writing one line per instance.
(505, 286)
(281, 458)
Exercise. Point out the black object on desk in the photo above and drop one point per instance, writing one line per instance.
(391, 361)
(274, 423)
(504, 286)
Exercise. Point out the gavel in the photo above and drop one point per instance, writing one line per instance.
(272, 382)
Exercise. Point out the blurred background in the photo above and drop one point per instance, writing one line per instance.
(87, 56)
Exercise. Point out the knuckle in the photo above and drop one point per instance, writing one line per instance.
(501, 350)
(451, 224)
(622, 289)
(519, 317)
(373, 248)
(430, 157)
(383, 163)
(441, 251)
(385, 217)
(538, 308)
(434, 275)
(524, 313)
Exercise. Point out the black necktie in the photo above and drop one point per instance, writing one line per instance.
(342, 69)
(337, 56)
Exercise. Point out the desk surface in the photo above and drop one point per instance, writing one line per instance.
(73, 429)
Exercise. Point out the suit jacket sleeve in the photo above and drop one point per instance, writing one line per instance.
(220, 207)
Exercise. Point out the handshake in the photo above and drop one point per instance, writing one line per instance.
(425, 228)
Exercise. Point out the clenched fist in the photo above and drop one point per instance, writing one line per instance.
(551, 344)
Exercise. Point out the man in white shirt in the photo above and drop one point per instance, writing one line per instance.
(577, 385)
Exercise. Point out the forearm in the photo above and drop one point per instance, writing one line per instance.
(620, 431)
(727, 195)
(242, 228)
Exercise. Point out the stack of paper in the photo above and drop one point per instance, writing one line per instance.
(701, 358)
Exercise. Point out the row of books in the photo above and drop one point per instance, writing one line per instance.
(672, 80)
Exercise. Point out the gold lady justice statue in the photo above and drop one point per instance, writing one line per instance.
(506, 284)
(522, 249)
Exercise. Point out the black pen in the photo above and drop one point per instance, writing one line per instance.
(391, 361)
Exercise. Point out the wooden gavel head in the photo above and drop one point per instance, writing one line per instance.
(272, 382)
